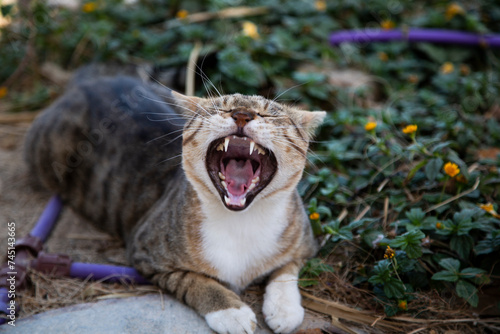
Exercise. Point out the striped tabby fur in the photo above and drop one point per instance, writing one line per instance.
(201, 218)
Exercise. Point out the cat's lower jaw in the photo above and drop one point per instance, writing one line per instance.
(232, 320)
(282, 307)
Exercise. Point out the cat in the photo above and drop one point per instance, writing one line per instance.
(202, 190)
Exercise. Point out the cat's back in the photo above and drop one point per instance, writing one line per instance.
(109, 147)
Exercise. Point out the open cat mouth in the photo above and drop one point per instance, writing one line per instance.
(239, 168)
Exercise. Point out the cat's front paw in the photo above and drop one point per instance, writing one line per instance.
(232, 320)
(282, 309)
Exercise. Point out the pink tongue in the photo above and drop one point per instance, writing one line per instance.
(238, 175)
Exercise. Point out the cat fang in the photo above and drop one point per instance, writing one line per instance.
(239, 169)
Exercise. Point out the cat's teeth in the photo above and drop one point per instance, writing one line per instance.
(220, 147)
(226, 199)
(255, 180)
(226, 144)
(252, 185)
(221, 176)
(252, 145)
(261, 151)
(224, 184)
(243, 201)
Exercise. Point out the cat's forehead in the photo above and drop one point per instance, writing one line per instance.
(258, 103)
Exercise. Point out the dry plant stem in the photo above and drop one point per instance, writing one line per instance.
(454, 198)
(337, 310)
(221, 14)
(193, 59)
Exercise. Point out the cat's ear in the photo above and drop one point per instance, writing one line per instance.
(310, 120)
(187, 105)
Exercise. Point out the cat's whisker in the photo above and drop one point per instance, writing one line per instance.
(285, 91)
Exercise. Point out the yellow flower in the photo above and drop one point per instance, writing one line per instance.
(89, 7)
(439, 226)
(452, 10)
(447, 68)
(3, 91)
(383, 56)
(410, 129)
(370, 126)
(387, 24)
(250, 30)
(389, 253)
(487, 207)
(314, 216)
(182, 14)
(320, 5)
(403, 305)
(451, 169)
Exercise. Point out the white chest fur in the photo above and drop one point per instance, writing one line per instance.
(235, 243)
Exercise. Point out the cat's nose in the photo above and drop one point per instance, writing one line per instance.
(242, 117)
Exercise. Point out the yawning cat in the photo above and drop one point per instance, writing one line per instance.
(203, 191)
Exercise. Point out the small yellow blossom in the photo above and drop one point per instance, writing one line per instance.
(447, 68)
(413, 78)
(3, 91)
(403, 305)
(89, 7)
(439, 226)
(182, 14)
(383, 56)
(389, 253)
(409, 129)
(320, 5)
(451, 169)
(464, 69)
(370, 126)
(487, 207)
(452, 10)
(250, 30)
(314, 216)
(387, 24)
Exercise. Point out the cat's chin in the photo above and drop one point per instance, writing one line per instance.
(239, 168)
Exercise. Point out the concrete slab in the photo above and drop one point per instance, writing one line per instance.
(149, 314)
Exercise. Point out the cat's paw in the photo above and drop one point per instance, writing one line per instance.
(232, 320)
(282, 309)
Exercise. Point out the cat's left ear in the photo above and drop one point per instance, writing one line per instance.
(187, 106)
(310, 120)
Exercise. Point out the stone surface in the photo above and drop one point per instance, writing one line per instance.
(148, 314)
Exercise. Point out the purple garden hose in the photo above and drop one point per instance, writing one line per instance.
(106, 272)
(95, 271)
(47, 220)
(415, 35)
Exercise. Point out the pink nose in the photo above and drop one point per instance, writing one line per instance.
(242, 117)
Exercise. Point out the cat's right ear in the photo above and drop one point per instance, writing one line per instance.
(188, 106)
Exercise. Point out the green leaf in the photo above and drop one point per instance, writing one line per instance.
(477, 275)
(410, 242)
(462, 244)
(446, 275)
(450, 264)
(381, 272)
(394, 288)
(468, 292)
(416, 216)
(433, 168)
